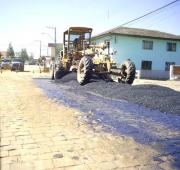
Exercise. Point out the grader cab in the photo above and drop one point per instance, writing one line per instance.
(81, 56)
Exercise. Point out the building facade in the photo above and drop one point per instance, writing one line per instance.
(152, 51)
(54, 48)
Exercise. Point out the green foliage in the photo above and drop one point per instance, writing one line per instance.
(39, 61)
(23, 55)
(59, 47)
(10, 51)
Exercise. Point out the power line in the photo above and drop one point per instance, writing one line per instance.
(161, 19)
(149, 13)
(160, 15)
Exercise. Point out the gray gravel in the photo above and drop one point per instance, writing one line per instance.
(148, 95)
(103, 109)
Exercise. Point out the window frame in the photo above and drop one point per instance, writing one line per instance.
(171, 46)
(167, 65)
(147, 44)
(146, 65)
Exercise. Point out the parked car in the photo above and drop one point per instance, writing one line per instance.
(5, 64)
(17, 65)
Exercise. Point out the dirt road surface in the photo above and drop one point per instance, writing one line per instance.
(40, 132)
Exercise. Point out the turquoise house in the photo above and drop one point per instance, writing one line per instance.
(152, 51)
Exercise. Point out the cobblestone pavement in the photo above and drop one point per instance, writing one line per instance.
(39, 133)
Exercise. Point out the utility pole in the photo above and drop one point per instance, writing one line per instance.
(55, 35)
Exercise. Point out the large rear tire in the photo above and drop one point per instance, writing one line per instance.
(84, 70)
(129, 72)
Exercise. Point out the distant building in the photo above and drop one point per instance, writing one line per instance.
(152, 51)
(53, 45)
(3, 54)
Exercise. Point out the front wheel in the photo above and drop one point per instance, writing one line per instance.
(57, 73)
(84, 70)
(128, 70)
(52, 70)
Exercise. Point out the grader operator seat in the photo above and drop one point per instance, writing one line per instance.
(74, 37)
(78, 42)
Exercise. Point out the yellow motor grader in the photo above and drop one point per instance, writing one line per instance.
(80, 56)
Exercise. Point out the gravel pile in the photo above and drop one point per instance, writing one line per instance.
(152, 96)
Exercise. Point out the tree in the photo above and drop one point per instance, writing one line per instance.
(23, 55)
(10, 51)
(58, 48)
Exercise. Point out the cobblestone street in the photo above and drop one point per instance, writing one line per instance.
(38, 133)
(90, 85)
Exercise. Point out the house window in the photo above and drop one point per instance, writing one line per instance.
(147, 45)
(171, 46)
(167, 65)
(146, 65)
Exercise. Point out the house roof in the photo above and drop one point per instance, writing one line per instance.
(78, 30)
(53, 44)
(139, 33)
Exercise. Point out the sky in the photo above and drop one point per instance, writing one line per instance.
(23, 22)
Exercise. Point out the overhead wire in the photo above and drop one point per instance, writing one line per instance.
(163, 18)
(146, 19)
(158, 16)
(145, 15)
(149, 13)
